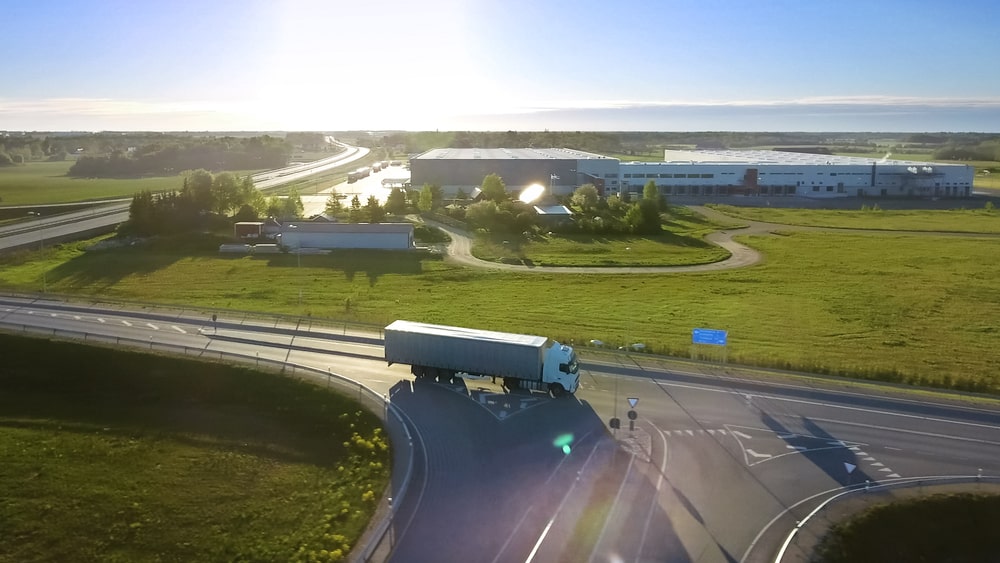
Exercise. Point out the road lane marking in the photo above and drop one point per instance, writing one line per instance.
(126, 323)
(757, 455)
(100, 320)
(739, 434)
(833, 406)
(178, 329)
(152, 326)
(53, 315)
(76, 317)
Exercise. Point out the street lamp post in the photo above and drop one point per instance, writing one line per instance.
(298, 259)
(41, 250)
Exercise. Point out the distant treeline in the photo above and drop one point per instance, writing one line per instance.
(637, 143)
(168, 158)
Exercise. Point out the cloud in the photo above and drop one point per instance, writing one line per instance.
(814, 101)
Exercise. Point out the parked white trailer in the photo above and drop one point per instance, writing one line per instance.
(446, 352)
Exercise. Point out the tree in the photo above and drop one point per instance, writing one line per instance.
(650, 191)
(225, 192)
(288, 207)
(643, 217)
(585, 197)
(333, 204)
(426, 201)
(482, 215)
(251, 196)
(494, 189)
(198, 188)
(356, 214)
(395, 203)
(374, 210)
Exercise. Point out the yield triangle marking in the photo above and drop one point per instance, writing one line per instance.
(885, 470)
(896, 475)
(850, 467)
(878, 464)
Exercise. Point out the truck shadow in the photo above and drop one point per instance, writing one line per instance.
(532, 466)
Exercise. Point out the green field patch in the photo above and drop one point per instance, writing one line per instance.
(952, 220)
(878, 306)
(118, 456)
(681, 243)
(954, 527)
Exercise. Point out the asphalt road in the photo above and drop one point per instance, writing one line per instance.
(720, 465)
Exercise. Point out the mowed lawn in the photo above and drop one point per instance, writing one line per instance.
(113, 455)
(682, 243)
(914, 308)
(948, 220)
(47, 182)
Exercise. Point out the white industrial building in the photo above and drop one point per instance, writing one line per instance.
(324, 235)
(694, 173)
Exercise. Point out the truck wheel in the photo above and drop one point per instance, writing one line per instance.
(511, 383)
(445, 376)
(557, 389)
(418, 371)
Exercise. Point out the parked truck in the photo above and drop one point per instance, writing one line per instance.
(446, 352)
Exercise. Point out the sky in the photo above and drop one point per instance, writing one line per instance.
(498, 65)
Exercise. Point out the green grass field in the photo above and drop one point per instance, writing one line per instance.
(681, 244)
(111, 455)
(47, 182)
(919, 309)
(953, 527)
(951, 221)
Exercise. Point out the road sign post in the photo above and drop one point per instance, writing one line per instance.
(708, 339)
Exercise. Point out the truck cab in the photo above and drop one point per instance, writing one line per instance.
(561, 370)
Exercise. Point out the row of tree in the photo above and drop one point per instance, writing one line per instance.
(984, 150)
(202, 199)
(168, 158)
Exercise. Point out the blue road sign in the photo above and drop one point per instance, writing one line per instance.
(708, 336)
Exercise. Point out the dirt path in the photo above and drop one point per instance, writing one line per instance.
(741, 256)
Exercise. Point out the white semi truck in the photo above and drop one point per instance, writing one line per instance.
(446, 352)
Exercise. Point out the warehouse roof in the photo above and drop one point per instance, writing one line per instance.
(775, 157)
(325, 227)
(506, 154)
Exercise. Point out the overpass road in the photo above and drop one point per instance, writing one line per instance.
(719, 466)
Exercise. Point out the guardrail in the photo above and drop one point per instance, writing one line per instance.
(380, 405)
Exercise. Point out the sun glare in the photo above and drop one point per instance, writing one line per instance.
(531, 193)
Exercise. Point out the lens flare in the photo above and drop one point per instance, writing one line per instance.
(564, 442)
(531, 193)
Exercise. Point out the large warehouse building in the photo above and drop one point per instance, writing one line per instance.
(694, 173)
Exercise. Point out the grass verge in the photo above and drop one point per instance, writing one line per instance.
(956, 527)
(950, 221)
(119, 456)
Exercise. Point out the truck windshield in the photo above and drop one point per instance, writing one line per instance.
(573, 365)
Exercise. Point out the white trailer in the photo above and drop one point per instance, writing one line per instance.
(446, 352)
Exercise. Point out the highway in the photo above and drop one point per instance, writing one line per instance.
(720, 466)
(98, 219)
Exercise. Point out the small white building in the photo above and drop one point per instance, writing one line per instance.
(323, 235)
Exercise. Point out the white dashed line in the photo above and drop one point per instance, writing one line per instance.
(178, 329)
(152, 326)
(126, 323)
(100, 320)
